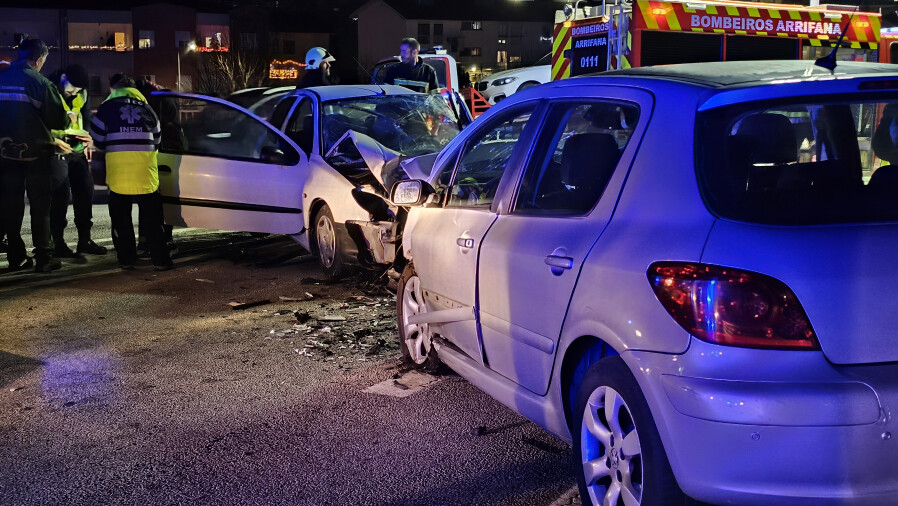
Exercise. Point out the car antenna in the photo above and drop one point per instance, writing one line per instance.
(382, 90)
(829, 61)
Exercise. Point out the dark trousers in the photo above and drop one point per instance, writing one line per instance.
(76, 184)
(150, 220)
(17, 179)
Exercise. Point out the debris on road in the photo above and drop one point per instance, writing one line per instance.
(244, 305)
(204, 280)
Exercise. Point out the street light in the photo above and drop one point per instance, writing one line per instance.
(191, 46)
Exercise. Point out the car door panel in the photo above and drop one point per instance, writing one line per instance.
(531, 257)
(230, 170)
(447, 262)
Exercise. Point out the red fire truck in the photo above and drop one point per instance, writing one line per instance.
(645, 32)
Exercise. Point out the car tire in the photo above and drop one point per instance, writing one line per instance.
(415, 340)
(616, 441)
(327, 244)
(528, 84)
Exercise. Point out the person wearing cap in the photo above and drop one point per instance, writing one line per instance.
(71, 170)
(30, 107)
(411, 71)
(318, 69)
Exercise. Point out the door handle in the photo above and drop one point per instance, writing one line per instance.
(465, 242)
(164, 168)
(560, 262)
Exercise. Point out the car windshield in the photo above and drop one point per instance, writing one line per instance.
(803, 162)
(412, 125)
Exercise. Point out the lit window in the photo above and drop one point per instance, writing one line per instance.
(146, 39)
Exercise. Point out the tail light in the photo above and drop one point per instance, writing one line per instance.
(732, 307)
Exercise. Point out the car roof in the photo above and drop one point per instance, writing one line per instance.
(341, 91)
(752, 73)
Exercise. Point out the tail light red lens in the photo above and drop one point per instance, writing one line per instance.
(732, 307)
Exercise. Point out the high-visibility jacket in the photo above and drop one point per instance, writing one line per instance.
(29, 108)
(127, 129)
(77, 104)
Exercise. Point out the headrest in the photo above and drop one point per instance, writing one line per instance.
(588, 157)
(772, 137)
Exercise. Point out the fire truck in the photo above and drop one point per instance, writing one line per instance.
(644, 32)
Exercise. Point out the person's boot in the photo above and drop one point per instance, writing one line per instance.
(61, 250)
(48, 265)
(90, 247)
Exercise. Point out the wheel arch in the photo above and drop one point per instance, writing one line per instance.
(317, 204)
(578, 357)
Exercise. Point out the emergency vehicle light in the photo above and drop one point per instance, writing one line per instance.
(659, 11)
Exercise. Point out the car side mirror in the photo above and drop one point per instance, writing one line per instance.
(274, 155)
(411, 193)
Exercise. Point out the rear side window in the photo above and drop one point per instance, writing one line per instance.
(801, 163)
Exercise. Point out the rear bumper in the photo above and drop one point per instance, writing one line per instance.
(772, 427)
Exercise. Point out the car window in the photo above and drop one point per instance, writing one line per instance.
(281, 110)
(411, 124)
(485, 160)
(804, 162)
(301, 127)
(579, 152)
(208, 128)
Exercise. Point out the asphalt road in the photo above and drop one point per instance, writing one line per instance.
(137, 387)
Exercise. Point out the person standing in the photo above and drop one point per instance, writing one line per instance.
(318, 69)
(29, 108)
(411, 72)
(73, 169)
(127, 129)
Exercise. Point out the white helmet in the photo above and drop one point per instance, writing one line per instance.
(315, 56)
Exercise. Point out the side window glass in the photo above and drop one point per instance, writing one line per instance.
(485, 159)
(207, 128)
(578, 158)
(301, 127)
(281, 111)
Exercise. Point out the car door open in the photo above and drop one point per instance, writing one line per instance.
(222, 167)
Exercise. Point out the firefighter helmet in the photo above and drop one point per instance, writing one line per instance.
(315, 56)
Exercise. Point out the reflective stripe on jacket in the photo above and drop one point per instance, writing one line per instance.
(128, 130)
(29, 108)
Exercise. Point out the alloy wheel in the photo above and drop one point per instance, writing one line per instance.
(610, 449)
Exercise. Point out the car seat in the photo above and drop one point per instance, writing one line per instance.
(587, 162)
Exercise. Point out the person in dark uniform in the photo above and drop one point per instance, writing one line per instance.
(73, 169)
(29, 108)
(411, 72)
(318, 69)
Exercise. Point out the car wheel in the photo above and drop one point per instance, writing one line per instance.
(415, 339)
(327, 245)
(528, 84)
(618, 456)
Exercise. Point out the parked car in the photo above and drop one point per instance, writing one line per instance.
(303, 172)
(498, 86)
(685, 271)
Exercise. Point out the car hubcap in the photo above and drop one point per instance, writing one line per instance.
(327, 239)
(610, 450)
(416, 335)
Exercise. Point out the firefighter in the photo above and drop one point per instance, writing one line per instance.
(29, 108)
(411, 72)
(128, 130)
(318, 69)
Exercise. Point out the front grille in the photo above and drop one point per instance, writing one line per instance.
(482, 85)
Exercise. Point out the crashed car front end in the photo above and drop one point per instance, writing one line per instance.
(383, 141)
